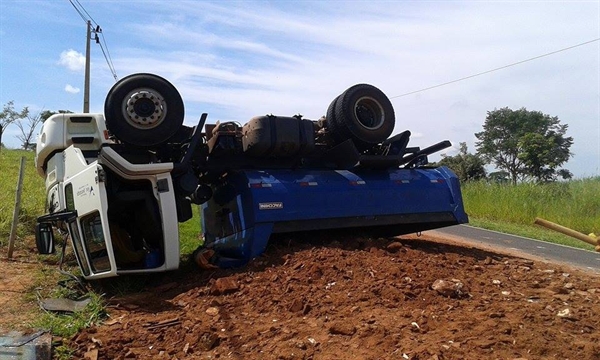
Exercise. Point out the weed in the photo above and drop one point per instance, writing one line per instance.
(67, 325)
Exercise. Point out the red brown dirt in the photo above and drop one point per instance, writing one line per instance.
(358, 299)
(17, 278)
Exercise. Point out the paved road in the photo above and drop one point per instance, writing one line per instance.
(580, 258)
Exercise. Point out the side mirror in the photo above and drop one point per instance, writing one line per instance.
(44, 238)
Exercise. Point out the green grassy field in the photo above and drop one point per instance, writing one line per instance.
(32, 199)
(513, 208)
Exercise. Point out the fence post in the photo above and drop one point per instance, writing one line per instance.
(15, 220)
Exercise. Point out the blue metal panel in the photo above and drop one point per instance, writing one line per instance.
(343, 193)
(238, 221)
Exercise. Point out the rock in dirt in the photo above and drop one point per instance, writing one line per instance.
(394, 247)
(207, 341)
(212, 311)
(297, 305)
(566, 314)
(449, 288)
(342, 328)
(91, 355)
(224, 286)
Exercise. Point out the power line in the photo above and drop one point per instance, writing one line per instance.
(106, 54)
(496, 69)
(104, 48)
(79, 12)
(85, 15)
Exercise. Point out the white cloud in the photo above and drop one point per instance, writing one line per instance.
(72, 89)
(72, 60)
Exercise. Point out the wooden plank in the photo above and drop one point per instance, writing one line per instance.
(17, 210)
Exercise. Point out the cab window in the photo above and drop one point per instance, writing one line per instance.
(69, 197)
(93, 236)
(74, 231)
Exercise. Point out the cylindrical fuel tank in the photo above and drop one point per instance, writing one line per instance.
(278, 136)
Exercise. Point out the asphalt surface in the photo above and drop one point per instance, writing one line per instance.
(552, 252)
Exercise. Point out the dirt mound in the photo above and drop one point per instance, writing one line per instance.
(359, 299)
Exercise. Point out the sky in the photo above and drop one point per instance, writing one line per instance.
(235, 60)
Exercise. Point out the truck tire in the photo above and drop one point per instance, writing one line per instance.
(362, 113)
(143, 110)
(339, 134)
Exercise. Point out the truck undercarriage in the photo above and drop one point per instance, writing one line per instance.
(120, 183)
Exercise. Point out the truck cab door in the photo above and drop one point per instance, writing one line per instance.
(90, 234)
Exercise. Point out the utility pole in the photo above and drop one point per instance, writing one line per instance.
(86, 86)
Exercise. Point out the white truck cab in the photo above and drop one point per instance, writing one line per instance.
(111, 208)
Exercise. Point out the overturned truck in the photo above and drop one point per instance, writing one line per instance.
(118, 184)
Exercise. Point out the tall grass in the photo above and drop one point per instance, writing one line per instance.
(33, 197)
(574, 204)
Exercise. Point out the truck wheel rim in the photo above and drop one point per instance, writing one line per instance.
(369, 113)
(144, 108)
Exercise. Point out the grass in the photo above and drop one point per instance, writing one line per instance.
(530, 231)
(33, 197)
(513, 208)
(190, 236)
(67, 325)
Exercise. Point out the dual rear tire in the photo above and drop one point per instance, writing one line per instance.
(362, 113)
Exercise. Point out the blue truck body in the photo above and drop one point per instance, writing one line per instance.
(251, 205)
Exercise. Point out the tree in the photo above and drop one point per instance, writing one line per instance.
(8, 115)
(28, 129)
(466, 166)
(528, 145)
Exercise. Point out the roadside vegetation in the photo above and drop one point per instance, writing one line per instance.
(32, 198)
(512, 208)
(527, 148)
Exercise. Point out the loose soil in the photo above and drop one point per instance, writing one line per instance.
(17, 278)
(349, 298)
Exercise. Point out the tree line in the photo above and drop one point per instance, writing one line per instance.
(523, 145)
